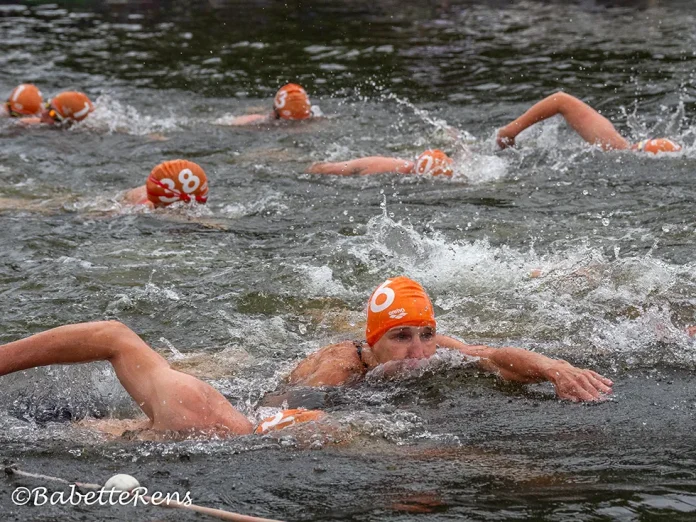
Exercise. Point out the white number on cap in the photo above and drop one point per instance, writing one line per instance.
(384, 290)
(280, 99)
(189, 181)
(170, 188)
(424, 164)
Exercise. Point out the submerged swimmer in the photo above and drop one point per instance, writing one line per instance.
(24, 101)
(173, 401)
(594, 128)
(431, 162)
(170, 182)
(291, 102)
(401, 329)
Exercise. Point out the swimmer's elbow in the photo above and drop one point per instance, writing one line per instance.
(110, 335)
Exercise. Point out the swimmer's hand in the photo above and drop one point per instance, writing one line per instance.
(505, 138)
(577, 385)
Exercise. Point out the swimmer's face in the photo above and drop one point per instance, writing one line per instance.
(405, 342)
(46, 116)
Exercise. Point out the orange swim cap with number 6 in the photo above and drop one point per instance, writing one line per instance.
(177, 180)
(397, 302)
(25, 100)
(292, 103)
(70, 106)
(657, 145)
(435, 163)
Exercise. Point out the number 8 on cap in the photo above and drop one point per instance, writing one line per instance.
(177, 180)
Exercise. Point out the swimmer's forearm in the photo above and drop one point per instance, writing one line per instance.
(70, 344)
(363, 166)
(511, 364)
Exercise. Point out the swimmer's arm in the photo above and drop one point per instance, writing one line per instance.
(519, 365)
(363, 166)
(251, 119)
(330, 366)
(133, 360)
(29, 121)
(171, 399)
(587, 122)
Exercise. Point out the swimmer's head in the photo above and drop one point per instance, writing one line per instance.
(292, 103)
(657, 145)
(400, 321)
(287, 418)
(177, 180)
(434, 163)
(24, 100)
(67, 107)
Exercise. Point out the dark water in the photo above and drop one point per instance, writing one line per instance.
(280, 263)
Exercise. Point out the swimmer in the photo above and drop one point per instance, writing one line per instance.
(401, 330)
(594, 128)
(430, 163)
(173, 401)
(170, 182)
(24, 101)
(63, 110)
(290, 103)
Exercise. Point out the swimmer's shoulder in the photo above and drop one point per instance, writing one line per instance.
(329, 366)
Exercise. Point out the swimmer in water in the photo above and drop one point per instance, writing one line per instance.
(170, 182)
(173, 401)
(24, 101)
(401, 329)
(64, 110)
(430, 163)
(594, 128)
(290, 103)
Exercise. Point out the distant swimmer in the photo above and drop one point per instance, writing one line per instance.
(291, 102)
(401, 330)
(173, 401)
(430, 163)
(171, 182)
(24, 101)
(587, 122)
(63, 110)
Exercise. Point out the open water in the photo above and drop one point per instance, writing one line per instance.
(280, 263)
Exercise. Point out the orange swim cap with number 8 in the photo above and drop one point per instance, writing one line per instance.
(397, 302)
(177, 180)
(292, 103)
(434, 162)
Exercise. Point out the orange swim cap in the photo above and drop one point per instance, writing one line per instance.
(397, 302)
(70, 106)
(25, 100)
(287, 418)
(177, 180)
(657, 145)
(434, 162)
(292, 103)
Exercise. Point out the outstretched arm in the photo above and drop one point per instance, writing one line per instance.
(363, 166)
(171, 399)
(588, 123)
(251, 119)
(516, 364)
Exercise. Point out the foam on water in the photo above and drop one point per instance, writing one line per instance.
(111, 115)
(581, 299)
